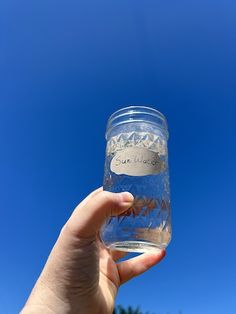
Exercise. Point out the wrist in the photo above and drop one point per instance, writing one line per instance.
(36, 309)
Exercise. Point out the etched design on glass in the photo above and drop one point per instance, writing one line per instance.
(152, 197)
(151, 141)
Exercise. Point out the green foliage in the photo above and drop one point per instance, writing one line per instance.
(120, 310)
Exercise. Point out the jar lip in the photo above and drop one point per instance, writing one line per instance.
(118, 117)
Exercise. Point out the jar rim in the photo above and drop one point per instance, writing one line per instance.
(118, 117)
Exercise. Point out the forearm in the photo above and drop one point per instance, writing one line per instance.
(44, 300)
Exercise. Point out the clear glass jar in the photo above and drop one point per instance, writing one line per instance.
(137, 161)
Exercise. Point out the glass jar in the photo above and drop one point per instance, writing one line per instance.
(137, 162)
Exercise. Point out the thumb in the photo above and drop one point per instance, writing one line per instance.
(88, 218)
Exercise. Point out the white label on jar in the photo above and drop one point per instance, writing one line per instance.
(136, 161)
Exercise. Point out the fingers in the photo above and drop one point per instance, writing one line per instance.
(91, 195)
(116, 255)
(105, 252)
(138, 265)
(89, 216)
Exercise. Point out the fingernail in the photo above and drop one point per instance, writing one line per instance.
(126, 197)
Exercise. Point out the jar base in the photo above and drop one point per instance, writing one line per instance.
(135, 246)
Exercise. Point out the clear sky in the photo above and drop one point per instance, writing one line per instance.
(65, 66)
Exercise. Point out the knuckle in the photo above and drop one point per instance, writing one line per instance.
(108, 197)
(62, 231)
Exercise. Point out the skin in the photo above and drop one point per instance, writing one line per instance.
(81, 275)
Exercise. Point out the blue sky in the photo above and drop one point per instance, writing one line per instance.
(65, 66)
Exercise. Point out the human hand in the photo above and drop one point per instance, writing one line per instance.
(81, 275)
